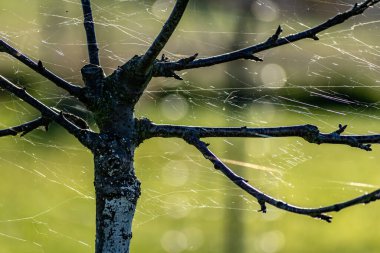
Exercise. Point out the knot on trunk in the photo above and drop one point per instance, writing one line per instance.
(114, 171)
(127, 83)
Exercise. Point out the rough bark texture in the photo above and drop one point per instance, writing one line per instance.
(117, 192)
(112, 100)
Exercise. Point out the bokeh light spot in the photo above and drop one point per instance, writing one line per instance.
(273, 75)
(174, 107)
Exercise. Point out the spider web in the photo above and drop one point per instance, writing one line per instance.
(47, 197)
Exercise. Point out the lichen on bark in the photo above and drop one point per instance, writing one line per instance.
(112, 100)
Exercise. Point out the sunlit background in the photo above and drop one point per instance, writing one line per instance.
(46, 178)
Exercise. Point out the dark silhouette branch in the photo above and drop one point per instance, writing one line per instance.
(263, 199)
(92, 45)
(83, 135)
(42, 122)
(310, 133)
(112, 101)
(26, 127)
(40, 68)
(159, 43)
(162, 68)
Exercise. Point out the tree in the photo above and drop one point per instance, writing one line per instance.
(112, 100)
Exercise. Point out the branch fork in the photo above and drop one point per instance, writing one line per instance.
(74, 90)
(162, 68)
(263, 199)
(275, 36)
(311, 133)
(26, 128)
(164, 72)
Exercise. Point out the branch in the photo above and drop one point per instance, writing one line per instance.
(26, 127)
(310, 133)
(162, 68)
(83, 135)
(74, 90)
(90, 33)
(262, 198)
(159, 43)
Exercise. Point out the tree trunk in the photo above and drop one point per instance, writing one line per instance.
(112, 99)
(117, 192)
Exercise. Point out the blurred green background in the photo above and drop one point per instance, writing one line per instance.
(46, 184)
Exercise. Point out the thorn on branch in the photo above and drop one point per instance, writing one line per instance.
(366, 147)
(354, 7)
(164, 58)
(176, 76)
(167, 72)
(253, 58)
(182, 62)
(240, 179)
(322, 216)
(40, 65)
(170, 73)
(314, 37)
(263, 207)
(45, 124)
(278, 31)
(276, 35)
(340, 130)
(187, 60)
(350, 141)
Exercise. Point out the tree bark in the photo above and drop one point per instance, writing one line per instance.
(117, 192)
(112, 100)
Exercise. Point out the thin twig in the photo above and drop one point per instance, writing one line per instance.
(40, 68)
(83, 135)
(161, 68)
(26, 127)
(92, 45)
(167, 30)
(262, 198)
(308, 132)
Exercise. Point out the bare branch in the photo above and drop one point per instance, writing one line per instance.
(159, 43)
(39, 68)
(92, 45)
(310, 133)
(42, 122)
(262, 198)
(26, 127)
(83, 135)
(76, 120)
(161, 68)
